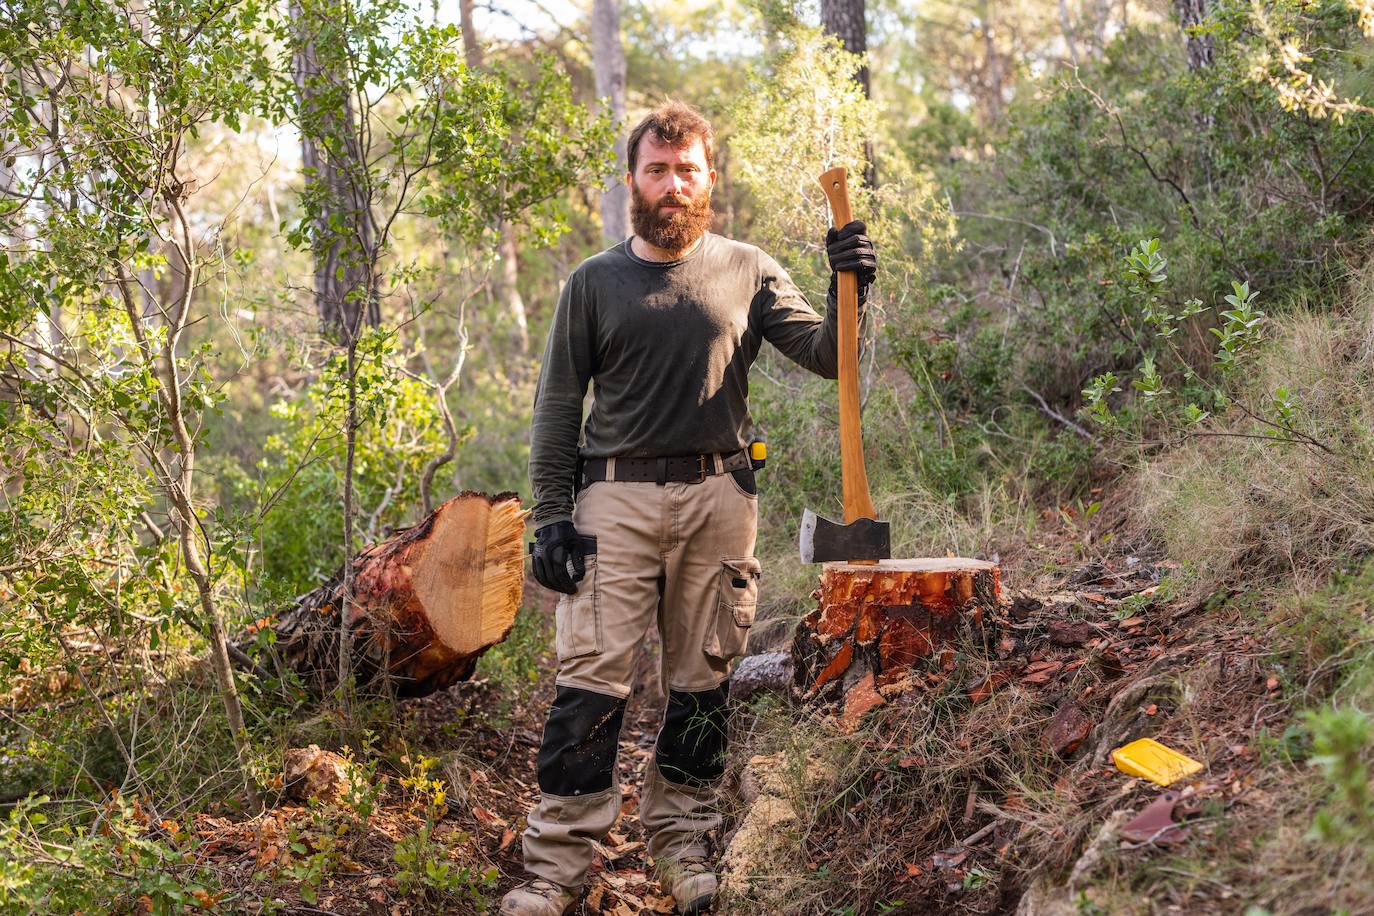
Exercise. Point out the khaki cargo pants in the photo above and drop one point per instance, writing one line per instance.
(679, 556)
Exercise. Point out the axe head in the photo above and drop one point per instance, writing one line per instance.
(824, 541)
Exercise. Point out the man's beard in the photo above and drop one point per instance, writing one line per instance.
(676, 231)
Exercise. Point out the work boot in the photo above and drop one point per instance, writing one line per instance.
(537, 898)
(690, 881)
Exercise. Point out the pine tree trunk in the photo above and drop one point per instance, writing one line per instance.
(330, 156)
(506, 279)
(1200, 48)
(426, 602)
(608, 57)
(845, 20)
(878, 626)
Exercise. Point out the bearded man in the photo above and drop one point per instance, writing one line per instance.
(647, 514)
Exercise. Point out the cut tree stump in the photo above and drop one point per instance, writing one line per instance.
(878, 625)
(428, 600)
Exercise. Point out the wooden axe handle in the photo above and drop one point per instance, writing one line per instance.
(854, 478)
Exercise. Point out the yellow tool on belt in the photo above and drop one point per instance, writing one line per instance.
(758, 453)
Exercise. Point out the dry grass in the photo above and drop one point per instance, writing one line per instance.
(1291, 525)
(1251, 509)
(1257, 509)
(1268, 531)
(890, 793)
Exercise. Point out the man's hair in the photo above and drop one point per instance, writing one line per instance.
(677, 124)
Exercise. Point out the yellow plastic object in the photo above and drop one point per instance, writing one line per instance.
(758, 450)
(1151, 760)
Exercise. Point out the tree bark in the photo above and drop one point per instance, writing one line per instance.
(1200, 47)
(1066, 28)
(878, 626)
(993, 70)
(472, 52)
(608, 56)
(426, 602)
(845, 20)
(506, 281)
(330, 157)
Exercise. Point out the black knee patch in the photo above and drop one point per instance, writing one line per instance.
(577, 755)
(691, 746)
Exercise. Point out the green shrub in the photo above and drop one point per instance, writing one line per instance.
(302, 465)
(66, 867)
(1032, 305)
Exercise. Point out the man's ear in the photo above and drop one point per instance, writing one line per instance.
(712, 185)
(629, 179)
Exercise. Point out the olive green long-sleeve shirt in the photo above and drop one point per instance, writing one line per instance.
(667, 347)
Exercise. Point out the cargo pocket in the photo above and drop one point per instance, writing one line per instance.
(739, 599)
(745, 482)
(577, 619)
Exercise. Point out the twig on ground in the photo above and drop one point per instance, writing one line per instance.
(1056, 415)
(980, 833)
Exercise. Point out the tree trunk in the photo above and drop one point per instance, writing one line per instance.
(993, 76)
(508, 293)
(1066, 28)
(1200, 48)
(331, 159)
(608, 57)
(472, 52)
(877, 627)
(845, 20)
(426, 602)
(506, 281)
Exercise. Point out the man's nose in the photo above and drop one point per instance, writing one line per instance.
(679, 182)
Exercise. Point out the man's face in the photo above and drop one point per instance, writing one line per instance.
(670, 193)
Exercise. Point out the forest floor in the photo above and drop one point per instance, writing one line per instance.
(1008, 792)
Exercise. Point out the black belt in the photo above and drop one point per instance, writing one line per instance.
(676, 468)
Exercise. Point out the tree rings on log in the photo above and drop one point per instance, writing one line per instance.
(889, 620)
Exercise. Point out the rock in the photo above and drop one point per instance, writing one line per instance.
(770, 671)
(312, 773)
(1068, 729)
(1070, 632)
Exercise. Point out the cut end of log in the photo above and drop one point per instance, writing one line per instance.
(470, 572)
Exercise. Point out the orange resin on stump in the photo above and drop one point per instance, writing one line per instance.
(887, 618)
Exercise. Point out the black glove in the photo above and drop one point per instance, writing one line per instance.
(850, 249)
(557, 558)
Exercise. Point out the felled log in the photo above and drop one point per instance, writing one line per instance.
(427, 601)
(875, 626)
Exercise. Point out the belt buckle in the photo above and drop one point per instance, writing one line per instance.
(701, 468)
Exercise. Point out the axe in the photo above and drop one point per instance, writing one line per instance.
(862, 538)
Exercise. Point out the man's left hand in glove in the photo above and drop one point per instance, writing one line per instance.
(850, 249)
